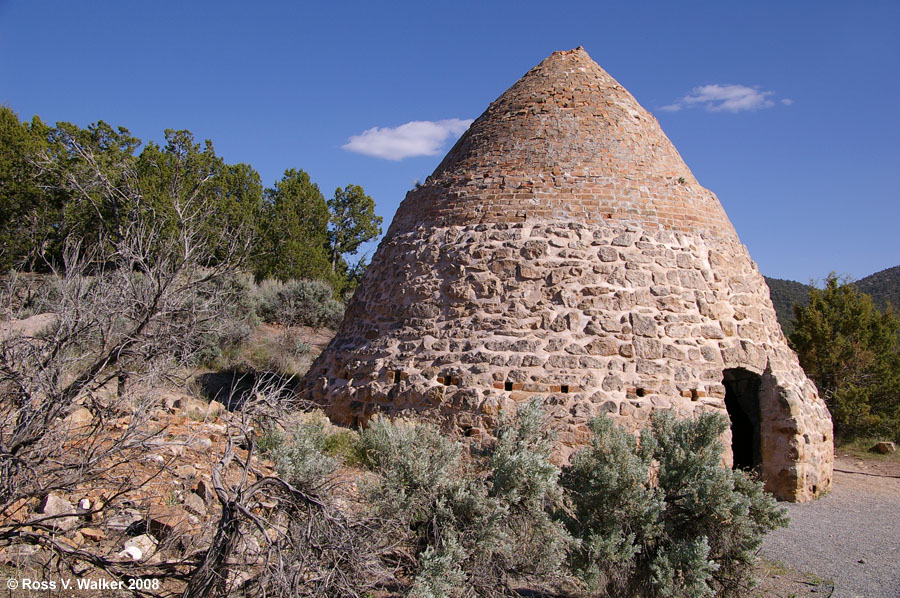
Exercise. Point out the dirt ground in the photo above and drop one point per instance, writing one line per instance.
(846, 544)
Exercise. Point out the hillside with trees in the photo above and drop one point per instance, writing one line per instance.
(883, 287)
(785, 294)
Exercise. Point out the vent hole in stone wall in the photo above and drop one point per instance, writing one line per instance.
(640, 392)
(446, 380)
(564, 389)
(396, 376)
(694, 394)
(507, 385)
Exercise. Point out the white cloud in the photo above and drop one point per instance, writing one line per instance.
(416, 138)
(726, 98)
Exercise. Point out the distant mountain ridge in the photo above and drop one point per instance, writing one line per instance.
(884, 287)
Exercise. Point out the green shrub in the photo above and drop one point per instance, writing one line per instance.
(301, 458)
(344, 446)
(283, 353)
(662, 517)
(310, 452)
(216, 337)
(270, 439)
(298, 302)
(472, 523)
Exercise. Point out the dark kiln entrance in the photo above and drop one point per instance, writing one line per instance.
(742, 403)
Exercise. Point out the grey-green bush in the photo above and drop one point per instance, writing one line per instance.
(473, 523)
(692, 531)
(298, 302)
(301, 460)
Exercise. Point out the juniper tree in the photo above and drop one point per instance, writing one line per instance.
(851, 351)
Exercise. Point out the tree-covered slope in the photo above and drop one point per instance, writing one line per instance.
(884, 287)
(784, 294)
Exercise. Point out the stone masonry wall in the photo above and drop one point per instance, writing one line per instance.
(460, 323)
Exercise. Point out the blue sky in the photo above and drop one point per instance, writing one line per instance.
(786, 110)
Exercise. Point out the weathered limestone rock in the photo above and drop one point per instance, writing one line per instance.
(79, 420)
(194, 504)
(564, 250)
(92, 534)
(164, 521)
(56, 506)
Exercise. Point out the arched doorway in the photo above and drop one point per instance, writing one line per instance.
(742, 402)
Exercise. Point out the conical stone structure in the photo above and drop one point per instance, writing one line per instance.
(564, 250)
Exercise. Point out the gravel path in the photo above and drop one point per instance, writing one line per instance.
(851, 536)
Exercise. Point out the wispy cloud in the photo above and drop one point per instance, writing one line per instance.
(416, 138)
(726, 98)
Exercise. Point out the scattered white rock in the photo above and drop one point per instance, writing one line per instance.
(140, 546)
(132, 553)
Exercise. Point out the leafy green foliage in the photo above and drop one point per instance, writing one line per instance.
(67, 183)
(303, 236)
(691, 531)
(852, 352)
(182, 173)
(295, 230)
(27, 213)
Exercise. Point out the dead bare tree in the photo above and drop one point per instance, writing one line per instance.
(297, 538)
(130, 307)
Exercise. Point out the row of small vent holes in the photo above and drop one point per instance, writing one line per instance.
(447, 380)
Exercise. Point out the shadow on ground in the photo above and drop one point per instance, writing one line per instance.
(232, 388)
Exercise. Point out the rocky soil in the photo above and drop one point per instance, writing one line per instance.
(170, 513)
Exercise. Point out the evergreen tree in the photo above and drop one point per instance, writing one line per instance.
(851, 351)
(352, 222)
(94, 170)
(27, 211)
(294, 231)
(181, 173)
